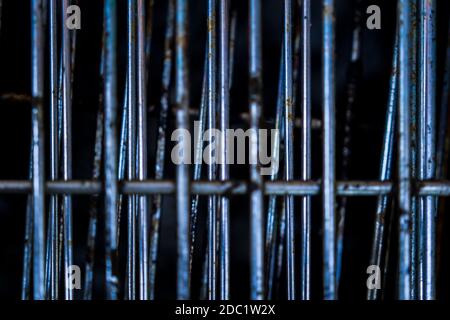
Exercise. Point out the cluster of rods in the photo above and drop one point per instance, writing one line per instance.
(124, 173)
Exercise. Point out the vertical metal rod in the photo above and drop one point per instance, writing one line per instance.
(182, 171)
(224, 169)
(404, 151)
(110, 95)
(329, 189)
(305, 268)
(67, 150)
(289, 147)
(161, 144)
(414, 142)
(37, 118)
(131, 149)
(199, 144)
(256, 181)
(52, 244)
(211, 102)
(427, 147)
(142, 150)
(387, 153)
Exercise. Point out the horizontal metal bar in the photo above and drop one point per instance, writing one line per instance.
(238, 187)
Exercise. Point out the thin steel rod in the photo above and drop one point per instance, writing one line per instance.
(37, 118)
(299, 188)
(224, 115)
(329, 190)
(289, 147)
(256, 195)
(182, 170)
(53, 230)
(212, 170)
(387, 153)
(122, 153)
(414, 142)
(305, 223)
(161, 145)
(272, 218)
(198, 156)
(427, 148)
(67, 150)
(131, 149)
(404, 151)
(142, 149)
(110, 96)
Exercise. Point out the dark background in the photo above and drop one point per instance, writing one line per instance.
(367, 132)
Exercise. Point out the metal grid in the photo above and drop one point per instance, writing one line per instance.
(125, 169)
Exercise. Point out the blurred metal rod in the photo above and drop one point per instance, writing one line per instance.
(256, 181)
(110, 96)
(404, 152)
(182, 169)
(353, 188)
(329, 188)
(37, 120)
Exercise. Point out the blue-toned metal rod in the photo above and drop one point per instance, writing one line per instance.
(53, 230)
(142, 148)
(329, 126)
(414, 142)
(427, 147)
(182, 169)
(387, 153)
(256, 181)
(110, 96)
(131, 149)
(212, 109)
(121, 170)
(161, 145)
(289, 146)
(67, 149)
(305, 101)
(272, 222)
(37, 120)
(224, 120)
(404, 152)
